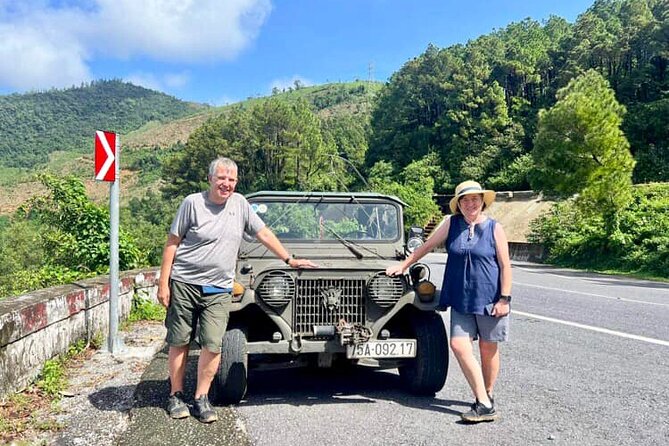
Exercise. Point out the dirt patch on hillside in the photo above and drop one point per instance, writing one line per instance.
(516, 215)
(165, 135)
(12, 197)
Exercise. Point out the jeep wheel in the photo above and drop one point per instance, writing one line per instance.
(229, 384)
(426, 373)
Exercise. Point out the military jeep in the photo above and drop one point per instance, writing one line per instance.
(347, 311)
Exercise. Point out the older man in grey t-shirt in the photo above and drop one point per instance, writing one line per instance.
(197, 274)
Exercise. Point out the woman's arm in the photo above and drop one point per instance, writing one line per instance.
(502, 306)
(436, 238)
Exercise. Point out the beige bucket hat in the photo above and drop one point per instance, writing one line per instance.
(468, 188)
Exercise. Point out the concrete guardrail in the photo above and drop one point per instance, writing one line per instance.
(38, 326)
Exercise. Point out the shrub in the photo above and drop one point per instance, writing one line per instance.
(639, 243)
(146, 310)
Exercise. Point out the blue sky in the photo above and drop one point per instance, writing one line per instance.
(222, 51)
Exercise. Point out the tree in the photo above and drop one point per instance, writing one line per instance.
(277, 144)
(348, 136)
(75, 231)
(647, 128)
(223, 135)
(415, 188)
(446, 101)
(580, 148)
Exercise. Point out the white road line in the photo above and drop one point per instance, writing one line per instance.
(591, 294)
(597, 329)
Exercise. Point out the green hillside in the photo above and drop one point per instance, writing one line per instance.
(152, 127)
(34, 125)
(350, 98)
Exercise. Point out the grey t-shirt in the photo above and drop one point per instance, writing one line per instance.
(210, 237)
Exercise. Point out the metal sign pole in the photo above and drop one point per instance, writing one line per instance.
(114, 343)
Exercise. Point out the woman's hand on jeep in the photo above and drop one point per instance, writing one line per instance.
(394, 270)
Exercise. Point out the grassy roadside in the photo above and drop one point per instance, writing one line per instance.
(26, 415)
(612, 272)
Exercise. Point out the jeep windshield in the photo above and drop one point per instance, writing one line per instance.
(316, 218)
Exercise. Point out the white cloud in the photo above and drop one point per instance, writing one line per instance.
(146, 80)
(39, 56)
(44, 45)
(284, 84)
(179, 30)
(177, 80)
(159, 83)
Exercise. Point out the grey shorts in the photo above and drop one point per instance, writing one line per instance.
(489, 328)
(188, 308)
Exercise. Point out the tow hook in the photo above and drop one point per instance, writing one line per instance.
(296, 344)
(352, 334)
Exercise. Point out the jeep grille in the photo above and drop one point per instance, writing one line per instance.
(326, 302)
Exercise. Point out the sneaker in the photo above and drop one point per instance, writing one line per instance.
(203, 410)
(176, 406)
(480, 413)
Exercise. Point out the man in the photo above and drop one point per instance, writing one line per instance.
(196, 278)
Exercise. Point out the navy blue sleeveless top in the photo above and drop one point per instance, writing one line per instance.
(472, 278)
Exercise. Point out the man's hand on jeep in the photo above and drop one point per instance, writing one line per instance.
(301, 263)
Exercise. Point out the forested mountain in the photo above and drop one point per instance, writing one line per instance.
(35, 124)
(476, 105)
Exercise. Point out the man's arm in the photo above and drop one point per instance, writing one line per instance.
(271, 242)
(169, 252)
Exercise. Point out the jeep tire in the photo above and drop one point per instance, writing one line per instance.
(426, 373)
(230, 381)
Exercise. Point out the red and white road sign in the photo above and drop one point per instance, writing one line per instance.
(105, 156)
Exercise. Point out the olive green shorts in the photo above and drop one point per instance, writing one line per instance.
(190, 308)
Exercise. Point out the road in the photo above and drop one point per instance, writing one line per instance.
(587, 364)
(602, 381)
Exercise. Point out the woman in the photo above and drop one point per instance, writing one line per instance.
(477, 287)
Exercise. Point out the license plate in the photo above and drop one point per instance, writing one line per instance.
(399, 348)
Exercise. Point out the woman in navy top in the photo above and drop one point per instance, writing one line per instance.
(477, 288)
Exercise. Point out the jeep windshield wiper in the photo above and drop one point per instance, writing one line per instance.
(358, 255)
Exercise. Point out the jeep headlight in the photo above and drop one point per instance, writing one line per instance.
(414, 243)
(385, 290)
(276, 289)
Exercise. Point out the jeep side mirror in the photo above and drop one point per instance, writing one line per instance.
(416, 231)
(246, 269)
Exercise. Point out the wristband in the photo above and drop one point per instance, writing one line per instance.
(287, 260)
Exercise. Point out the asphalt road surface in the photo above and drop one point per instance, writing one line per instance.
(587, 363)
